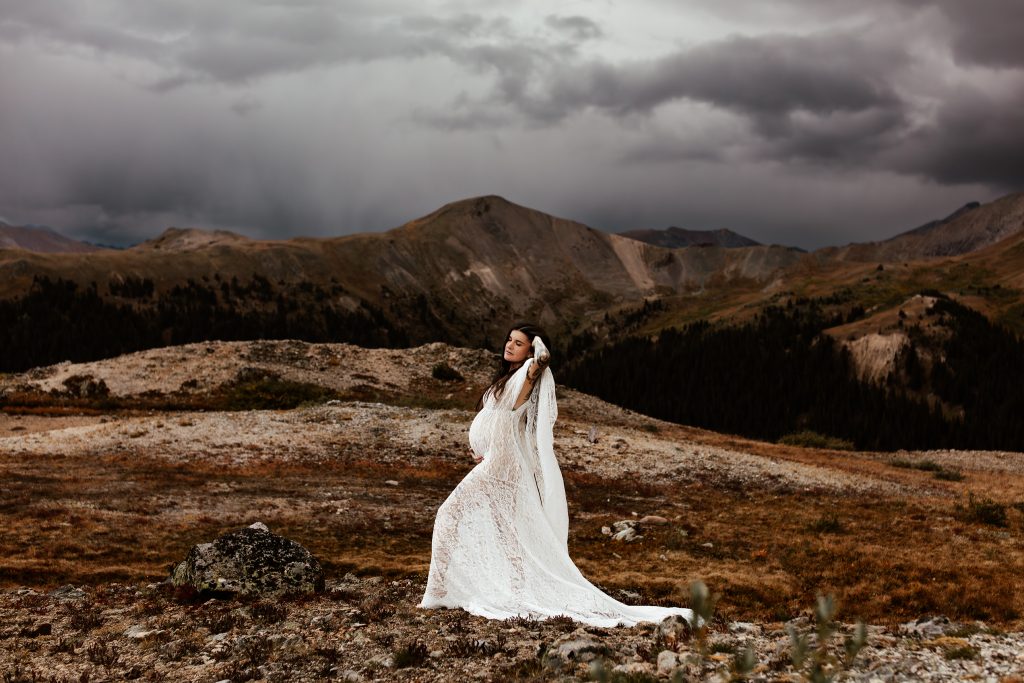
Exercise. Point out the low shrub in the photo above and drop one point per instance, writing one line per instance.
(446, 373)
(982, 510)
(412, 653)
(827, 524)
(811, 439)
(963, 652)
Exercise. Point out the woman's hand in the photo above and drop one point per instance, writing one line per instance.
(540, 352)
(476, 458)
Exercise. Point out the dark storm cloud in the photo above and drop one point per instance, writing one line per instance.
(804, 96)
(985, 32)
(976, 137)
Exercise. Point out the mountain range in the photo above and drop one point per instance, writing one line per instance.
(461, 273)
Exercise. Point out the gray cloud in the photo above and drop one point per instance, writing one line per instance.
(985, 32)
(976, 137)
(577, 27)
(319, 117)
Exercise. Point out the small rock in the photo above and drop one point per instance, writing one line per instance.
(579, 646)
(139, 632)
(626, 535)
(624, 524)
(607, 531)
(667, 662)
(653, 520)
(68, 592)
(381, 662)
(674, 629)
(744, 627)
(391, 482)
(709, 544)
(637, 669)
(929, 627)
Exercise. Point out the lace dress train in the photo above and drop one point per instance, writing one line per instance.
(499, 542)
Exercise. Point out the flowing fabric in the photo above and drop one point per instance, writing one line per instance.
(499, 545)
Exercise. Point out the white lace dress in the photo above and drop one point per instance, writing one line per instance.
(499, 543)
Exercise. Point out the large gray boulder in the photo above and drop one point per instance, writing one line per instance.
(251, 561)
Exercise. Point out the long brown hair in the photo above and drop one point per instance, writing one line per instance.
(504, 372)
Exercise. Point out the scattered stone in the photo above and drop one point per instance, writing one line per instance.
(626, 535)
(391, 482)
(653, 520)
(744, 628)
(607, 531)
(637, 669)
(68, 592)
(251, 561)
(929, 627)
(674, 629)
(578, 646)
(667, 662)
(139, 632)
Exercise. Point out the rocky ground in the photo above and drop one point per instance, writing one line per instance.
(365, 629)
(104, 486)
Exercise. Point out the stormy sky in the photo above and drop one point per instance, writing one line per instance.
(804, 122)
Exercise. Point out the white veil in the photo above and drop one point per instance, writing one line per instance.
(541, 421)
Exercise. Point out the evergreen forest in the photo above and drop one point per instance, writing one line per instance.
(59, 320)
(780, 375)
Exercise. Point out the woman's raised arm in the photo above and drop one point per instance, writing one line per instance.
(541, 358)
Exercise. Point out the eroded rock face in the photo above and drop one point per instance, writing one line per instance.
(251, 561)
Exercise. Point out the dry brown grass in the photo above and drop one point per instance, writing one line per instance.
(127, 517)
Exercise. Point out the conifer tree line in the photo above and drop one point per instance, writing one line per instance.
(59, 320)
(779, 375)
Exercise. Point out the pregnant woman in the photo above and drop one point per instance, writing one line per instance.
(499, 544)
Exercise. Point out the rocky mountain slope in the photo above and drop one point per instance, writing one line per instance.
(969, 229)
(41, 240)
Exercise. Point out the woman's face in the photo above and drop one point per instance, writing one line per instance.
(517, 347)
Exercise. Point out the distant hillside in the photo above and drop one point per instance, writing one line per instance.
(41, 240)
(675, 238)
(190, 239)
(972, 227)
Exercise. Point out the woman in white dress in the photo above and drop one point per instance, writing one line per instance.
(499, 544)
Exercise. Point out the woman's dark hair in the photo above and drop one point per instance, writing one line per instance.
(501, 377)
